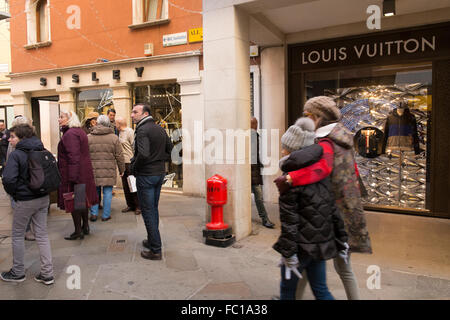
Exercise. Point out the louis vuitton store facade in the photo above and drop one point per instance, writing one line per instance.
(393, 90)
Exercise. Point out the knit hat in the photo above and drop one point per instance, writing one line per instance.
(324, 108)
(298, 136)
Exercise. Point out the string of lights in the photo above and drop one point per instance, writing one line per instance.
(184, 9)
(97, 16)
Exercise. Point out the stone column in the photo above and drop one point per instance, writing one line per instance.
(122, 102)
(67, 101)
(192, 109)
(22, 104)
(273, 114)
(227, 107)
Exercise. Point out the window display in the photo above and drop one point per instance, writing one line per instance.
(389, 111)
(98, 100)
(165, 103)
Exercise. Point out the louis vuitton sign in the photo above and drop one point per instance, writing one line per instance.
(377, 48)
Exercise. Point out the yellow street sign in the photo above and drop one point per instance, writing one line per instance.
(196, 35)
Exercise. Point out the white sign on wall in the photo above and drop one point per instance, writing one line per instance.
(175, 39)
(4, 67)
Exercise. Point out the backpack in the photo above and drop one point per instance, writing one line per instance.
(43, 172)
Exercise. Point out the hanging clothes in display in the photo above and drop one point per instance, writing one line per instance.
(400, 132)
(368, 142)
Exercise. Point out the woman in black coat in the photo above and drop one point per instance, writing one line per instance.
(312, 230)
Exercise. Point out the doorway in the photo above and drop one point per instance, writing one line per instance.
(45, 114)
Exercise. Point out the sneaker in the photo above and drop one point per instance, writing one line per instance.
(47, 281)
(9, 276)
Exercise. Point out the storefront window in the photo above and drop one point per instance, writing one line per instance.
(388, 109)
(98, 100)
(165, 103)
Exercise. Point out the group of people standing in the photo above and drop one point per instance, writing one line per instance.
(89, 156)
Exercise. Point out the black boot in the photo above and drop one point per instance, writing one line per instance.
(267, 223)
(75, 236)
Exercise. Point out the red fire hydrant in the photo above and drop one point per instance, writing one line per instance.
(216, 196)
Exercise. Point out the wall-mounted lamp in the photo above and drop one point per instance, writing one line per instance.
(388, 8)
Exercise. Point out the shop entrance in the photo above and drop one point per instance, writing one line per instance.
(45, 114)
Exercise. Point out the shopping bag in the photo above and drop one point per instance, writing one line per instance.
(132, 183)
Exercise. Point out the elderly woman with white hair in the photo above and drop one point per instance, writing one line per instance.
(75, 167)
(106, 154)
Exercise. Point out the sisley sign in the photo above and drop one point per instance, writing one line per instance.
(424, 43)
(370, 50)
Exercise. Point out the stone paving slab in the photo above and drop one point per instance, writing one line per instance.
(192, 270)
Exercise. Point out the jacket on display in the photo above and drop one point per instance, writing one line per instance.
(400, 132)
(310, 219)
(369, 142)
(15, 175)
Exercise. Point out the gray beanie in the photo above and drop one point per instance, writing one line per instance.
(324, 108)
(298, 136)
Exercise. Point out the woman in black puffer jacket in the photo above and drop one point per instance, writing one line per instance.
(312, 230)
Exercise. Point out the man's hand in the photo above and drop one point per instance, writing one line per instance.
(291, 264)
(282, 184)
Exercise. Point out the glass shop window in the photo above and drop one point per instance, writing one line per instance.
(165, 103)
(388, 109)
(98, 100)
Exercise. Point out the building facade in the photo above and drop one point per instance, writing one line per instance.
(96, 55)
(91, 56)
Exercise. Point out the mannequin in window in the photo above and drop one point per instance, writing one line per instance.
(400, 131)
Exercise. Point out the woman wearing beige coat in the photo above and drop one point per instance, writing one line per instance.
(106, 154)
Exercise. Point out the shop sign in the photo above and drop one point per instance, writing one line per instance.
(174, 39)
(195, 35)
(368, 49)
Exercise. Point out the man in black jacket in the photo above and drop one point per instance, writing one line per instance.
(26, 205)
(152, 148)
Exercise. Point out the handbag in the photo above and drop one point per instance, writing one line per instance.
(75, 200)
(69, 201)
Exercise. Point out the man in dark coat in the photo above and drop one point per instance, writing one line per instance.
(152, 149)
(256, 176)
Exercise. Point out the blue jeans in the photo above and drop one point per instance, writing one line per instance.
(317, 277)
(107, 197)
(149, 190)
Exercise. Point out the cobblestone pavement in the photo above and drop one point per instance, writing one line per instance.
(411, 252)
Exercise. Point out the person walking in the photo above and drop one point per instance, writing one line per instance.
(75, 167)
(106, 154)
(312, 230)
(126, 138)
(256, 175)
(338, 159)
(4, 142)
(153, 148)
(27, 206)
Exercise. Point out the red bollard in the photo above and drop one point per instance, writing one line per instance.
(216, 196)
(217, 232)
